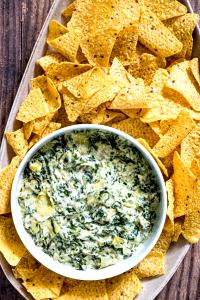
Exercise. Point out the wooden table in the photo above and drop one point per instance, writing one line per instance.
(20, 24)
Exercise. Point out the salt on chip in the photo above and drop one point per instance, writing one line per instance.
(182, 84)
(156, 37)
(60, 72)
(33, 107)
(44, 284)
(191, 227)
(67, 12)
(123, 287)
(106, 94)
(17, 141)
(190, 146)
(98, 46)
(50, 58)
(6, 179)
(10, 244)
(73, 106)
(56, 29)
(195, 168)
(183, 27)
(89, 290)
(173, 137)
(166, 9)
(187, 188)
(137, 129)
(150, 150)
(125, 46)
(152, 265)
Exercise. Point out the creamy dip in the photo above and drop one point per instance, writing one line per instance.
(88, 199)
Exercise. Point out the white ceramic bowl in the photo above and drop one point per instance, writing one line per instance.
(110, 271)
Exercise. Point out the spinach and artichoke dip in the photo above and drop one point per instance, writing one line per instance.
(88, 199)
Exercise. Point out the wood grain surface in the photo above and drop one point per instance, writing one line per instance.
(20, 24)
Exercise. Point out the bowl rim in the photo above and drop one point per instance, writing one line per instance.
(90, 274)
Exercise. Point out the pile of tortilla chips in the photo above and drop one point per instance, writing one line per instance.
(126, 64)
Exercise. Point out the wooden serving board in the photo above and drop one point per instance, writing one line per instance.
(175, 255)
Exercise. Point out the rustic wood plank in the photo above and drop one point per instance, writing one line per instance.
(21, 21)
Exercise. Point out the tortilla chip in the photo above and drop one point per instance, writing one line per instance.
(148, 65)
(118, 72)
(125, 46)
(164, 241)
(41, 123)
(71, 282)
(123, 287)
(10, 244)
(156, 128)
(61, 117)
(182, 84)
(6, 179)
(132, 113)
(106, 94)
(190, 146)
(152, 265)
(172, 138)
(89, 290)
(86, 84)
(73, 106)
(185, 185)
(51, 128)
(50, 58)
(17, 141)
(44, 284)
(166, 9)
(98, 46)
(194, 68)
(160, 164)
(56, 29)
(156, 37)
(33, 107)
(191, 227)
(183, 27)
(28, 128)
(60, 72)
(171, 200)
(195, 168)
(137, 129)
(178, 224)
(26, 267)
(68, 11)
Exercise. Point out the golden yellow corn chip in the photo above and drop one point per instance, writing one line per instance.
(156, 37)
(28, 128)
(51, 128)
(166, 9)
(50, 58)
(60, 72)
(172, 138)
(119, 73)
(171, 200)
(152, 265)
(125, 46)
(26, 267)
(6, 179)
(132, 113)
(44, 284)
(33, 107)
(123, 287)
(86, 84)
(98, 46)
(67, 12)
(17, 141)
(73, 106)
(182, 84)
(186, 188)
(183, 27)
(194, 68)
(156, 128)
(191, 227)
(71, 282)
(61, 117)
(195, 168)
(160, 164)
(10, 244)
(178, 224)
(89, 290)
(56, 29)
(106, 94)
(137, 129)
(164, 241)
(190, 146)
(41, 123)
